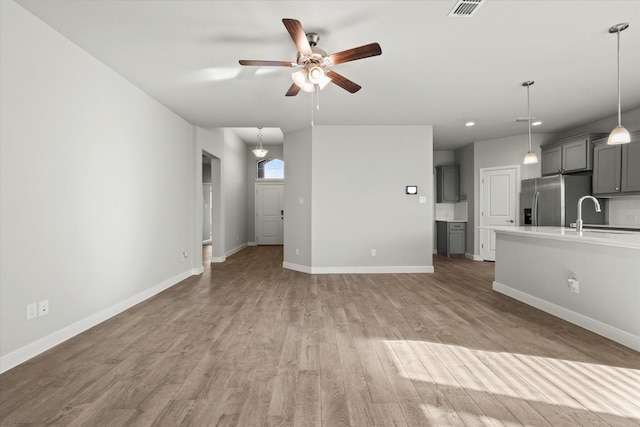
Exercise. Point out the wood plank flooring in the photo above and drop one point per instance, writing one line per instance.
(249, 343)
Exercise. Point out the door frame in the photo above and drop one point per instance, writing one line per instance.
(479, 217)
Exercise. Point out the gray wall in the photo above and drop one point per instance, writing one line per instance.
(297, 200)
(105, 218)
(358, 181)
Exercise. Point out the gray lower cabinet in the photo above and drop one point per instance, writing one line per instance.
(451, 237)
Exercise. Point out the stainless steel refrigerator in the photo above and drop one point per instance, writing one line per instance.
(553, 201)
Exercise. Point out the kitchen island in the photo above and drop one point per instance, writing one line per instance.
(589, 278)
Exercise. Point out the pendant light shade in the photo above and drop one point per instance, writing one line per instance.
(531, 157)
(259, 151)
(619, 135)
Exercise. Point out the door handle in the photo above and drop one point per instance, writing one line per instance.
(510, 220)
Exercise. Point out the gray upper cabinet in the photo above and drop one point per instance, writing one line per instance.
(568, 155)
(551, 163)
(630, 179)
(447, 183)
(616, 168)
(606, 169)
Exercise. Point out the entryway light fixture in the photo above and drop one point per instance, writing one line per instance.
(529, 158)
(259, 150)
(619, 135)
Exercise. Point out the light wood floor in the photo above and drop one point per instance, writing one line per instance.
(252, 344)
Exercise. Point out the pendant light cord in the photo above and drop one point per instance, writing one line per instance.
(619, 104)
(529, 116)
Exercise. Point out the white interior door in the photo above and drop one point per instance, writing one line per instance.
(269, 213)
(499, 192)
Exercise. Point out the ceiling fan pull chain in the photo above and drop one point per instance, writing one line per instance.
(317, 97)
(312, 109)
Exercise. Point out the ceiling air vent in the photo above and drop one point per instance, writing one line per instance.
(465, 8)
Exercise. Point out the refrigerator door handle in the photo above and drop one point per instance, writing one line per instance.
(534, 209)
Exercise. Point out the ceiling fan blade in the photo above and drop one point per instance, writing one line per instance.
(360, 52)
(343, 82)
(293, 90)
(298, 35)
(267, 63)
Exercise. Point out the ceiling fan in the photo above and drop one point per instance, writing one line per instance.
(314, 63)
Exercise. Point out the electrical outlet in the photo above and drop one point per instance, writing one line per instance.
(32, 310)
(43, 308)
(574, 285)
(373, 252)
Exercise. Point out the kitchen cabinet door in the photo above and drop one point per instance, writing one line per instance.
(606, 174)
(551, 160)
(448, 183)
(457, 242)
(630, 180)
(575, 156)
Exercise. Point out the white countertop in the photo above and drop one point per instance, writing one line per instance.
(624, 239)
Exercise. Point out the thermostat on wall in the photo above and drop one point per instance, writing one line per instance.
(412, 189)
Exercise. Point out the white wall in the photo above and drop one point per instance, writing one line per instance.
(359, 174)
(96, 189)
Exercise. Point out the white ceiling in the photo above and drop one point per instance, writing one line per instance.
(434, 69)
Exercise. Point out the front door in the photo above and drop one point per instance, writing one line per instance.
(269, 213)
(499, 193)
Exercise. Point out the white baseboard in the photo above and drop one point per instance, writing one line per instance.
(43, 344)
(252, 244)
(297, 267)
(218, 259)
(236, 250)
(359, 270)
(593, 325)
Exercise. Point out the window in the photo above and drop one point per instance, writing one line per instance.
(270, 169)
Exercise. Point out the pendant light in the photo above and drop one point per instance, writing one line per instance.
(529, 158)
(259, 150)
(619, 135)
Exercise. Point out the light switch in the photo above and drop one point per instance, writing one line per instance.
(422, 199)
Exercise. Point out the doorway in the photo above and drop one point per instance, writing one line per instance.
(212, 206)
(499, 189)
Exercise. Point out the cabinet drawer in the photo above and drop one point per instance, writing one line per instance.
(457, 226)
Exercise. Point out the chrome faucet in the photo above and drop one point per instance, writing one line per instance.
(579, 220)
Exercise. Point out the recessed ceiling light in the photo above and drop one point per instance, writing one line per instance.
(468, 124)
(536, 123)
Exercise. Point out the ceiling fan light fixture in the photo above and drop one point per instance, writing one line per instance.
(317, 76)
(619, 135)
(301, 79)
